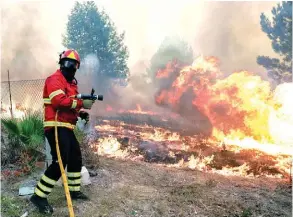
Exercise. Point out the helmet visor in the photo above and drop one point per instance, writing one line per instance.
(70, 64)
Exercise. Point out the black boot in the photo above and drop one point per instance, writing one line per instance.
(77, 195)
(42, 204)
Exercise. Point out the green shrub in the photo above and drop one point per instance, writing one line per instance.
(23, 136)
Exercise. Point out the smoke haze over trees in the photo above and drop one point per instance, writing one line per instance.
(172, 48)
(206, 26)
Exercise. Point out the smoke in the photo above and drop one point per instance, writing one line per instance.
(127, 97)
(230, 31)
(31, 39)
(87, 75)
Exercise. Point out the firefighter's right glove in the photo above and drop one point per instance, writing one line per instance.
(87, 103)
(84, 116)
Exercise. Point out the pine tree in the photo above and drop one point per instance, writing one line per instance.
(279, 31)
(91, 31)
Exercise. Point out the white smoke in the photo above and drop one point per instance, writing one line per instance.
(87, 75)
(31, 31)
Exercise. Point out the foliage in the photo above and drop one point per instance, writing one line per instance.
(24, 135)
(171, 48)
(246, 212)
(91, 31)
(279, 31)
(80, 135)
(11, 206)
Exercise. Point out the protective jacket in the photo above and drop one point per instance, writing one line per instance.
(58, 97)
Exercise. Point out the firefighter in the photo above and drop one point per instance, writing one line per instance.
(58, 94)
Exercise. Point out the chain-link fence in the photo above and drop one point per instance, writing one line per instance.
(25, 95)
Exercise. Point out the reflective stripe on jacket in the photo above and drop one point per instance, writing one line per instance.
(58, 96)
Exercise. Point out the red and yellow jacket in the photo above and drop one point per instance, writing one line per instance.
(58, 96)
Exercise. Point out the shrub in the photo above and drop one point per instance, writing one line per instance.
(24, 137)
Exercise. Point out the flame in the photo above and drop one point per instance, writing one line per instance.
(154, 141)
(240, 107)
(108, 145)
(237, 106)
(138, 110)
(160, 134)
(251, 124)
(169, 69)
(281, 119)
(199, 74)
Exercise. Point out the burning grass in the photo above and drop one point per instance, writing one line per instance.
(143, 142)
(224, 124)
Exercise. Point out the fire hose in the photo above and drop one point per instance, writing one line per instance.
(64, 178)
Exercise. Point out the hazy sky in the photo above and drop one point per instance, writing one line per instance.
(31, 31)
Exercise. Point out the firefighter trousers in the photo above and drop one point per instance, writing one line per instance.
(71, 157)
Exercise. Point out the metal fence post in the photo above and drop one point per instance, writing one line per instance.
(10, 94)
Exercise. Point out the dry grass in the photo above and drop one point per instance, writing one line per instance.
(124, 188)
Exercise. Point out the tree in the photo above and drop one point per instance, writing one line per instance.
(279, 31)
(170, 49)
(91, 31)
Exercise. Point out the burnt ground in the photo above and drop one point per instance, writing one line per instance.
(129, 130)
(185, 125)
(127, 188)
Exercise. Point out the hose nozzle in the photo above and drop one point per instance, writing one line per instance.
(91, 96)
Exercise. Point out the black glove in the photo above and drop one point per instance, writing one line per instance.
(84, 115)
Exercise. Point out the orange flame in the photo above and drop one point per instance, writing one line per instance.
(208, 154)
(245, 115)
(169, 69)
(239, 106)
(138, 110)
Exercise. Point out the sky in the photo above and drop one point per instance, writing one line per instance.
(31, 32)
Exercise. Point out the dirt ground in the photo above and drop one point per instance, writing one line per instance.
(140, 189)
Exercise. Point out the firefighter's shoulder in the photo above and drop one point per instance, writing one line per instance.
(55, 78)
